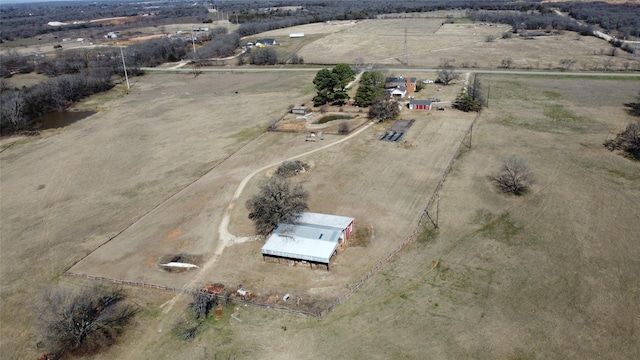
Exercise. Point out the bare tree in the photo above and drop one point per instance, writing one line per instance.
(447, 62)
(384, 108)
(12, 110)
(566, 64)
(633, 108)
(83, 321)
(627, 141)
(446, 76)
(278, 201)
(507, 62)
(343, 128)
(202, 304)
(291, 168)
(514, 177)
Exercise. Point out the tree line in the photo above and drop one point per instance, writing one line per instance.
(531, 21)
(30, 20)
(78, 73)
(621, 18)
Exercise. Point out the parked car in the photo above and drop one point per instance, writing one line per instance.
(427, 81)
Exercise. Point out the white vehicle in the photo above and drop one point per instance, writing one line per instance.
(427, 81)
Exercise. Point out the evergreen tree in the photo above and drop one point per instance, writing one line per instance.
(371, 86)
(325, 82)
(331, 85)
(466, 103)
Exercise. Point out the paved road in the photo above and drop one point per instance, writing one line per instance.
(243, 69)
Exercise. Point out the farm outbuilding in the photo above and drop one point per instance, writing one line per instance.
(296, 35)
(420, 104)
(266, 42)
(300, 110)
(314, 238)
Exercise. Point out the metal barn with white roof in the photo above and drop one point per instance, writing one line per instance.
(313, 238)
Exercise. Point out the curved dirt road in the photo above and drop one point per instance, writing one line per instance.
(225, 238)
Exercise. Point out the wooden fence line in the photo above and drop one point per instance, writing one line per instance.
(162, 202)
(410, 238)
(190, 292)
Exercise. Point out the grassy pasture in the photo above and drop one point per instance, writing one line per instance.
(547, 275)
(514, 277)
(69, 190)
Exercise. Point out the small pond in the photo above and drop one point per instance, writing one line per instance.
(59, 119)
(325, 119)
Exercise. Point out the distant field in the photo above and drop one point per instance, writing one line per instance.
(381, 42)
(428, 41)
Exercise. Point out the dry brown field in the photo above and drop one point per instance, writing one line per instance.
(381, 42)
(546, 275)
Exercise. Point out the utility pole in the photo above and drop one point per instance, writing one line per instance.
(125, 68)
(193, 40)
(406, 48)
(437, 209)
(489, 89)
(635, 53)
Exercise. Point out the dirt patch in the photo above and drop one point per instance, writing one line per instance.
(174, 233)
(402, 125)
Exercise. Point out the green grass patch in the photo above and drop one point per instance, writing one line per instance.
(288, 46)
(308, 90)
(427, 234)
(560, 113)
(25, 42)
(503, 228)
(623, 174)
(482, 216)
(557, 119)
(100, 100)
(462, 151)
(551, 94)
(247, 134)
